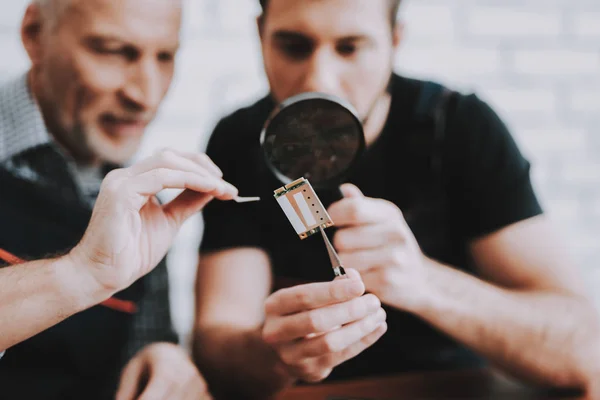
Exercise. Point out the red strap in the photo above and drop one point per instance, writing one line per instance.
(125, 306)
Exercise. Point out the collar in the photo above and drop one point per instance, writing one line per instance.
(22, 126)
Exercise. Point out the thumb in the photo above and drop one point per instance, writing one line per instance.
(185, 205)
(129, 387)
(351, 191)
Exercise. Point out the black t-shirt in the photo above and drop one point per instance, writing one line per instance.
(483, 185)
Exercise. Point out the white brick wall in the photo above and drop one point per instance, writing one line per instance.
(536, 61)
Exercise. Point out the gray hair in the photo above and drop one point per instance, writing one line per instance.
(52, 10)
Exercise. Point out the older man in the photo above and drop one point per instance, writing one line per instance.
(80, 307)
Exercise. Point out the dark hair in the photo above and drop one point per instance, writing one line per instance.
(394, 6)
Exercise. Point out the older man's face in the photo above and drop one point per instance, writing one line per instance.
(103, 71)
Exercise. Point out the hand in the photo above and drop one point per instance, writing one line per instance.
(375, 240)
(130, 232)
(162, 371)
(317, 326)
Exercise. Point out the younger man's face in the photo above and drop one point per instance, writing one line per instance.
(339, 47)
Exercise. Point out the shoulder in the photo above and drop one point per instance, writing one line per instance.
(471, 124)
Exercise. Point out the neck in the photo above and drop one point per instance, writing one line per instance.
(377, 118)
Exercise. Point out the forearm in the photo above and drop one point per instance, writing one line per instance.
(543, 337)
(238, 363)
(37, 295)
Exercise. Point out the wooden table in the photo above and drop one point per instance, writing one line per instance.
(479, 384)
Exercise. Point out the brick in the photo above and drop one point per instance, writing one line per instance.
(512, 22)
(553, 141)
(596, 209)
(586, 173)
(513, 100)
(585, 100)
(562, 211)
(440, 22)
(557, 62)
(221, 17)
(587, 24)
(451, 61)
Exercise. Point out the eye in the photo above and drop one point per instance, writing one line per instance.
(166, 56)
(347, 49)
(296, 49)
(129, 53)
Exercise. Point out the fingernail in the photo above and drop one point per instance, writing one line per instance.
(353, 274)
(231, 189)
(354, 288)
(381, 315)
(374, 303)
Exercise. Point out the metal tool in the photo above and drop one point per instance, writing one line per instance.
(336, 264)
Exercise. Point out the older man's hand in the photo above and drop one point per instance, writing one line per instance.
(130, 232)
(162, 371)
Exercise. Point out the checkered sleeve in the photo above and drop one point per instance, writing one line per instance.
(152, 323)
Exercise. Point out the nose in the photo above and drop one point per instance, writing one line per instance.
(143, 89)
(322, 74)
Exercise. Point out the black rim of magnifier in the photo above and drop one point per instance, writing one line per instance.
(302, 97)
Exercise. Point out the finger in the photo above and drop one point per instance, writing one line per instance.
(130, 379)
(195, 390)
(158, 389)
(185, 205)
(168, 159)
(363, 237)
(203, 160)
(288, 328)
(362, 211)
(349, 191)
(152, 182)
(333, 360)
(313, 295)
(332, 342)
(367, 260)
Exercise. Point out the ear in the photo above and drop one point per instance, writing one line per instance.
(31, 29)
(397, 35)
(260, 23)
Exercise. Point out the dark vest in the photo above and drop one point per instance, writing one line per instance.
(81, 357)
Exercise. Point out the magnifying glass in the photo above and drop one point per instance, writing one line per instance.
(313, 135)
(318, 137)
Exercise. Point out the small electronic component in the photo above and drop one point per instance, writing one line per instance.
(307, 215)
(303, 208)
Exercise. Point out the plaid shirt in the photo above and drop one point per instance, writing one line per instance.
(22, 129)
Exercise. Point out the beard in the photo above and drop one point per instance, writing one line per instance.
(106, 148)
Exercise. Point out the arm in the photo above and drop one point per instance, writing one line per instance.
(128, 234)
(37, 295)
(232, 286)
(531, 317)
